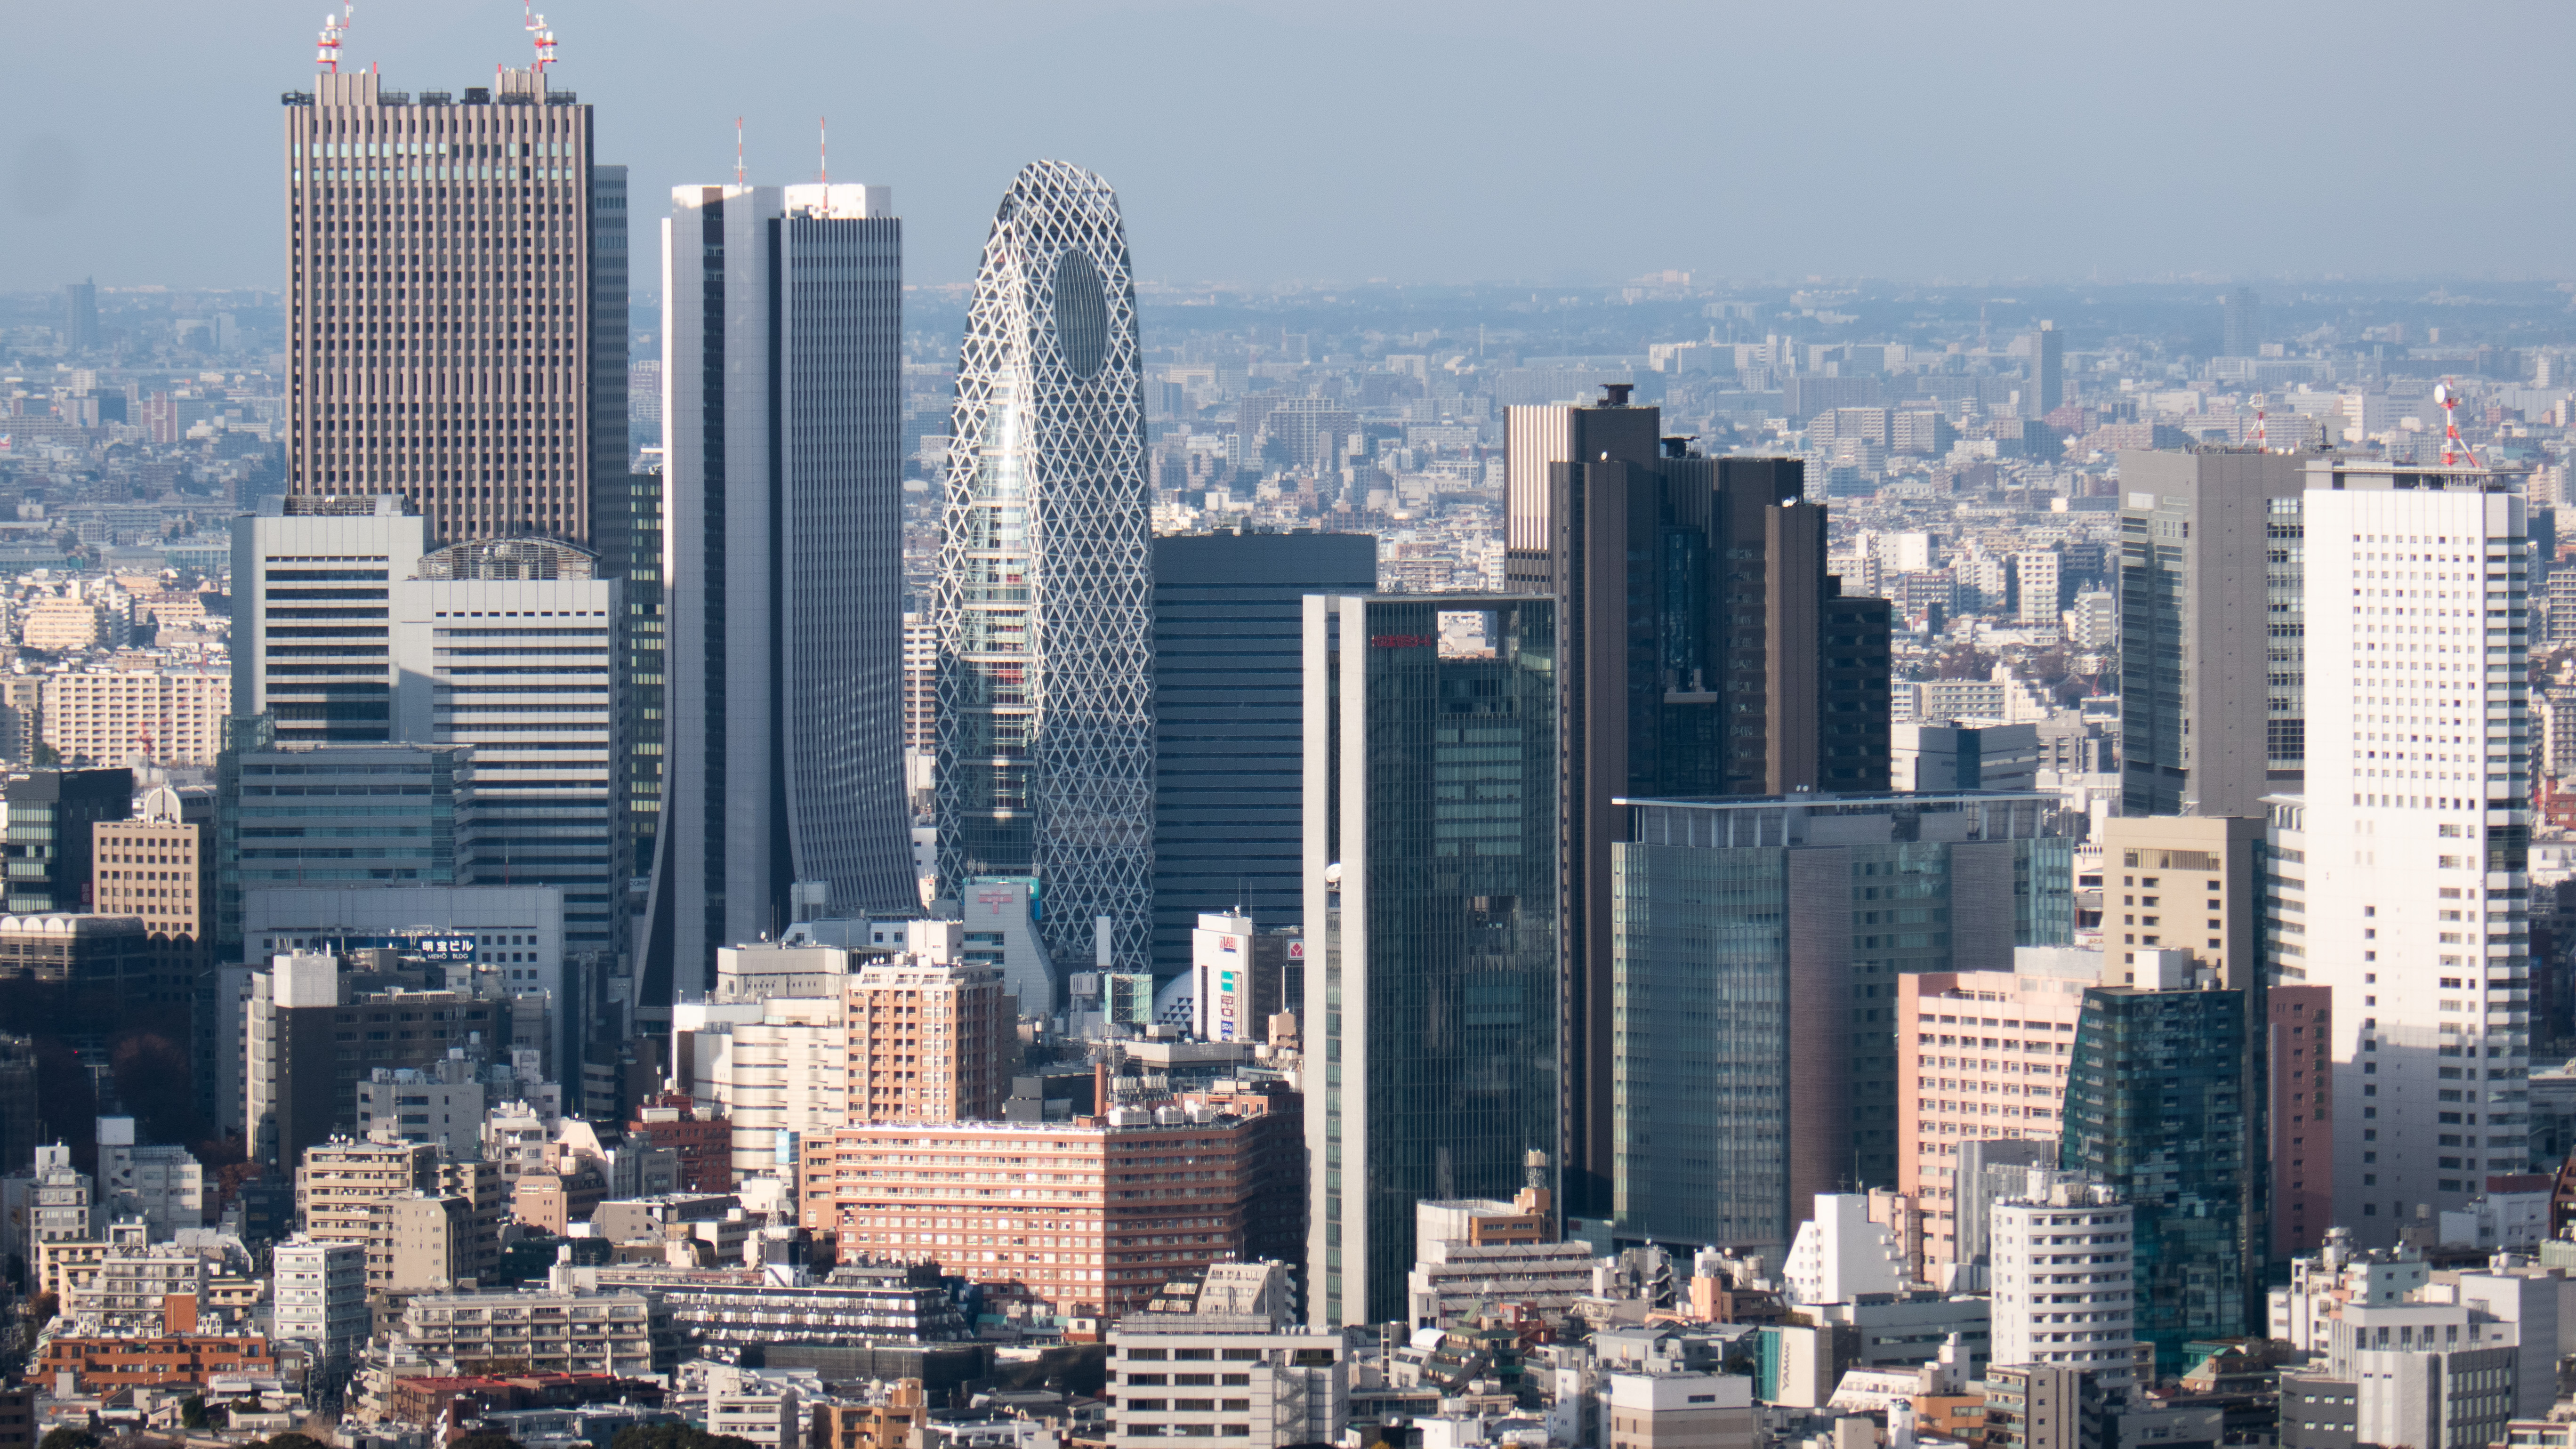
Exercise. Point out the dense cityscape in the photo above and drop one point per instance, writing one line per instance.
(626, 830)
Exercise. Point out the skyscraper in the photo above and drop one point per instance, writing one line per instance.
(1044, 605)
(609, 267)
(2241, 325)
(443, 323)
(782, 330)
(353, 632)
(1227, 634)
(1705, 652)
(2047, 369)
(2401, 877)
(2212, 633)
(510, 647)
(1434, 990)
(80, 316)
(642, 673)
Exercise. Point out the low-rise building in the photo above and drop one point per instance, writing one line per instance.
(765, 1412)
(1219, 1355)
(740, 1307)
(1677, 1411)
(558, 1331)
(132, 1286)
(888, 1424)
(105, 1363)
(1471, 1255)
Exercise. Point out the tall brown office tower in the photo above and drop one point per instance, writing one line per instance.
(1703, 650)
(444, 336)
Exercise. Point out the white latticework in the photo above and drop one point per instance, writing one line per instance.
(1045, 603)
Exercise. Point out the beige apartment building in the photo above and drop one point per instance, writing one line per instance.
(929, 1041)
(174, 716)
(340, 1181)
(2183, 883)
(1979, 1055)
(1677, 1411)
(559, 1331)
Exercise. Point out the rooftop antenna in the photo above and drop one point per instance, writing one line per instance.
(333, 29)
(737, 150)
(823, 145)
(540, 33)
(2262, 434)
(2453, 450)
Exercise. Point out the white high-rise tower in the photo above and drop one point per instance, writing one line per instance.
(2403, 868)
(782, 370)
(1044, 612)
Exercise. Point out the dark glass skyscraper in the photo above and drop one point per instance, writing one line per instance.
(1430, 867)
(2161, 1103)
(1705, 651)
(1226, 722)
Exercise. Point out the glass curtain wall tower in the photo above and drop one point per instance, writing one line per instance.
(1044, 607)
(1431, 841)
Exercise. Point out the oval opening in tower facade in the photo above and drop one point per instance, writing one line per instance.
(1081, 314)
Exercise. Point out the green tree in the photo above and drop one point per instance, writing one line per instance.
(676, 1436)
(486, 1440)
(68, 1438)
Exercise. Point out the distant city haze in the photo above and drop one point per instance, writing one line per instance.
(1338, 141)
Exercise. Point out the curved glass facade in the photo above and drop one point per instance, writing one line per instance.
(1044, 612)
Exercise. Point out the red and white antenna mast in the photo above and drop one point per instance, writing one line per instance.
(2453, 450)
(2262, 433)
(334, 28)
(823, 145)
(737, 150)
(541, 34)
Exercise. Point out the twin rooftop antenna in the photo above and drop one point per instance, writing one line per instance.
(335, 29)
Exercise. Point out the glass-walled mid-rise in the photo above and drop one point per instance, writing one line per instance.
(2159, 1105)
(1756, 952)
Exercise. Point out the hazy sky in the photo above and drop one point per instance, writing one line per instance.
(1344, 140)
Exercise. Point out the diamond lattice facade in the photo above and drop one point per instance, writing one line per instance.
(1044, 611)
